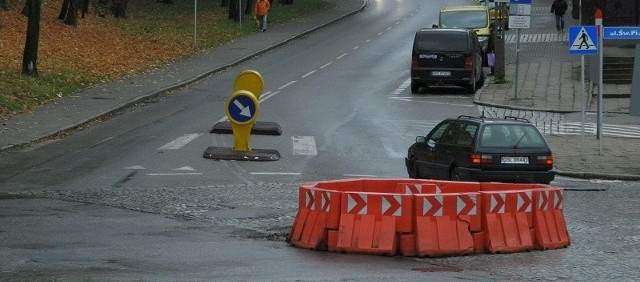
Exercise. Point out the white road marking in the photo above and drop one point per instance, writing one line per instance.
(309, 73)
(326, 65)
(137, 167)
(180, 142)
(355, 47)
(304, 145)
(402, 87)
(537, 38)
(341, 56)
(174, 174)
(185, 168)
(267, 95)
(284, 86)
(575, 128)
(275, 173)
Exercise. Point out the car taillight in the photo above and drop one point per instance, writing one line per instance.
(545, 160)
(481, 159)
(414, 61)
(468, 63)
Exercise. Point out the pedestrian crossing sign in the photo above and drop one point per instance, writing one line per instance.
(583, 40)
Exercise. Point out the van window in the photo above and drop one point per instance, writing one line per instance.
(440, 42)
(464, 19)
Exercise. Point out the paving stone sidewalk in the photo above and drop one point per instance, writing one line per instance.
(550, 92)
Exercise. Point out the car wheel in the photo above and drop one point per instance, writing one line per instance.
(472, 87)
(481, 80)
(455, 175)
(415, 87)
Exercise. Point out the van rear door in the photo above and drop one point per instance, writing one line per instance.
(441, 50)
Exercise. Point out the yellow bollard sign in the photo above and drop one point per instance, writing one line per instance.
(251, 81)
(242, 109)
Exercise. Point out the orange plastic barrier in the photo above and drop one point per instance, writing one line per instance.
(418, 217)
(549, 226)
(371, 222)
(417, 188)
(444, 223)
(507, 220)
(318, 211)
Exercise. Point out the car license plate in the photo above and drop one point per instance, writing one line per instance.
(441, 73)
(514, 160)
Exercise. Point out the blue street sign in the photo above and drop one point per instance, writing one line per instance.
(583, 40)
(241, 108)
(519, 1)
(621, 32)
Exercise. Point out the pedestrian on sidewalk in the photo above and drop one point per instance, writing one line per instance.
(262, 10)
(559, 7)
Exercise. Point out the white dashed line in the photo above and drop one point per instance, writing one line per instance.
(180, 142)
(284, 86)
(325, 65)
(309, 73)
(341, 56)
(174, 174)
(267, 95)
(355, 47)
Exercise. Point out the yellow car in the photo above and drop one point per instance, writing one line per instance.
(470, 17)
(495, 13)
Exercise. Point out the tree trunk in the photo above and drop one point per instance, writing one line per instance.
(224, 3)
(63, 10)
(4, 5)
(30, 56)
(233, 10)
(84, 7)
(248, 9)
(120, 8)
(72, 13)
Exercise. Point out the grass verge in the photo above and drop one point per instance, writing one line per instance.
(102, 49)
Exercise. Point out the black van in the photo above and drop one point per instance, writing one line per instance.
(443, 56)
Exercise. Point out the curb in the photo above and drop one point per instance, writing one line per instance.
(604, 176)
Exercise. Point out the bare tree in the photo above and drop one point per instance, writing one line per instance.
(63, 10)
(30, 56)
(69, 12)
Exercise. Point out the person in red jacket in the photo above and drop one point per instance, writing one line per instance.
(262, 10)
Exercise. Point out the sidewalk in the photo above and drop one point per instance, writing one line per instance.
(550, 92)
(547, 83)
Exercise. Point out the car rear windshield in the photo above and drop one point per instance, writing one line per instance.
(442, 41)
(512, 136)
(464, 19)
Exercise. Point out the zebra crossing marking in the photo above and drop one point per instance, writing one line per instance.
(537, 38)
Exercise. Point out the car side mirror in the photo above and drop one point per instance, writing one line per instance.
(421, 139)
